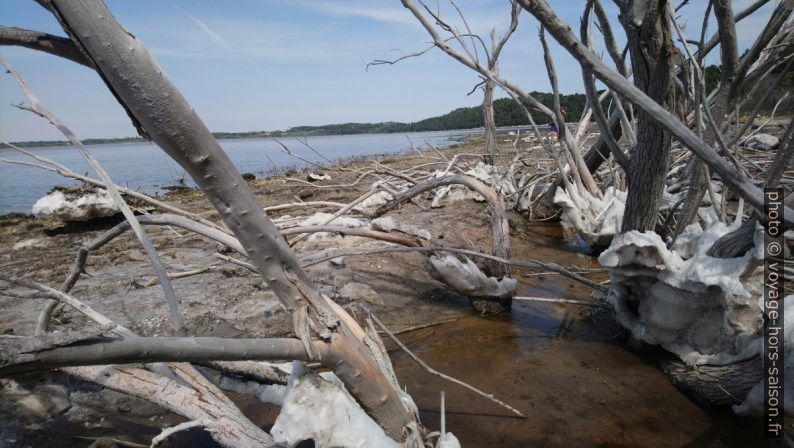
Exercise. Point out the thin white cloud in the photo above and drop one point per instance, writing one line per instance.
(220, 41)
(381, 14)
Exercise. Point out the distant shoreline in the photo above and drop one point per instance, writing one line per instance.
(507, 113)
(239, 136)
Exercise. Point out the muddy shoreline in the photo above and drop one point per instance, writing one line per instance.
(567, 367)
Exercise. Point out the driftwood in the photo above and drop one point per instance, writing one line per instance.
(133, 76)
(217, 414)
(191, 396)
(168, 290)
(500, 228)
(716, 385)
(24, 355)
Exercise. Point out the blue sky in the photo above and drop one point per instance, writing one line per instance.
(272, 64)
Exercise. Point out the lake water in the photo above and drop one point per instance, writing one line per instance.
(144, 166)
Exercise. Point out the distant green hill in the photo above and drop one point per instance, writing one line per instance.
(506, 113)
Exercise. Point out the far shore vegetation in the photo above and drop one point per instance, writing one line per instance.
(506, 112)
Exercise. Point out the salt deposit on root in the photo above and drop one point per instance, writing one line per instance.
(754, 402)
(488, 174)
(388, 224)
(703, 309)
(763, 142)
(313, 177)
(492, 176)
(449, 194)
(321, 218)
(83, 207)
(318, 407)
(375, 201)
(467, 279)
(448, 440)
(595, 220)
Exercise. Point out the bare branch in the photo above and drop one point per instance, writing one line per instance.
(609, 38)
(134, 350)
(515, 11)
(561, 32)
(48, 43)
(168, 432)
(590, 90)
(779, 17)
(528, 100)
(151, 252)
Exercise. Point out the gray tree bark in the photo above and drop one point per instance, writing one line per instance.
(489, 122)
(141, 86)
(48, 43)
(717, 385)
(738, 242)
(650, 46)
(735, 179)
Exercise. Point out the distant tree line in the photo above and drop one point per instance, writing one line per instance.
(506, 111)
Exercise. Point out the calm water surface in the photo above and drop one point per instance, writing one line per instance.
(146, 167)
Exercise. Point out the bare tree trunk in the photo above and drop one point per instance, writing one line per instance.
(490, 124)
(650, 45)
(140, 84)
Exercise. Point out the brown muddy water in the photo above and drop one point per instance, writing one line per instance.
(566, 367)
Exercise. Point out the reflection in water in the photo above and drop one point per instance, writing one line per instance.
(560, 365)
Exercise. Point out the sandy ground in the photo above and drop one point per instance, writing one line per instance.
(565, 366)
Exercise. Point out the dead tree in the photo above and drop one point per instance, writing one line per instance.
(650, 28)
(732, 177)
(492, 63)
(487, 103)
(598, 153)
(160, 112)
(651, 47)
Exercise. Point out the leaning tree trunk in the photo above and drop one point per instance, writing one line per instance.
(650, 45)
(146, 92)
(490, 149)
